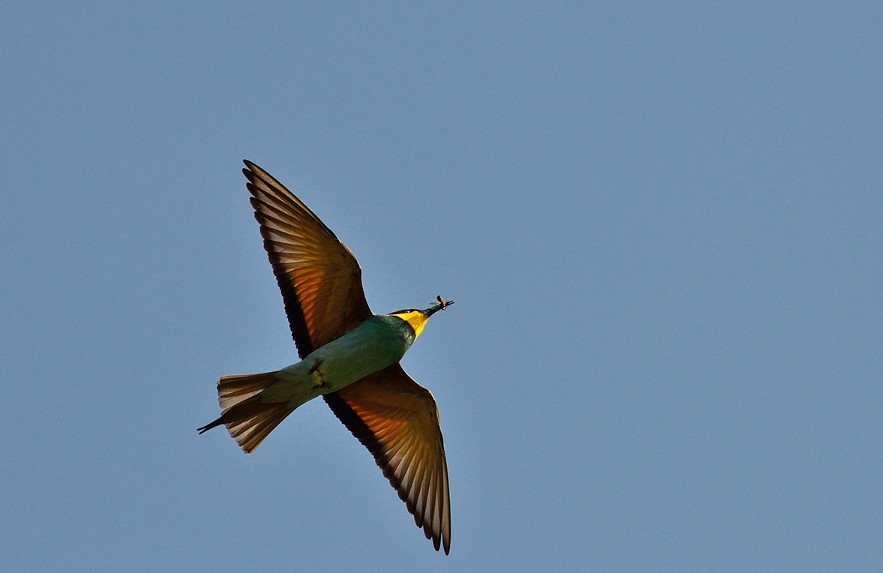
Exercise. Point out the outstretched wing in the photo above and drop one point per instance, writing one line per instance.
(319, 277)
(397, 420)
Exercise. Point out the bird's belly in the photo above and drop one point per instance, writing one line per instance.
(338, 365)
(372, 346)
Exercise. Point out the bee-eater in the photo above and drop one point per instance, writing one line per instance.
(349, 356)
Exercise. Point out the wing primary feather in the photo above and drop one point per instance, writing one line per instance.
(318, 276)
(397, 421)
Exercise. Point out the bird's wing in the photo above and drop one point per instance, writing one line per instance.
(397, 420)
(319, 277)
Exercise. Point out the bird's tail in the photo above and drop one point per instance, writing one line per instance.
(248, 419)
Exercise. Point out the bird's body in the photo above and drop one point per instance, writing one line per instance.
(380, 341)
(349, 356)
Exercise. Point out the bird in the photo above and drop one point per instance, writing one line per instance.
(348, 355)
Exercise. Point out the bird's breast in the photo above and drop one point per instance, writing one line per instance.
(375, 344)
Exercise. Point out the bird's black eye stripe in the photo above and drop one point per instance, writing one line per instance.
(404, 310)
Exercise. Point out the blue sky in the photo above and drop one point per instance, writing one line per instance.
(661, 225)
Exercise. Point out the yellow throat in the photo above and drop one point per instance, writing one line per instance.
(415, 318)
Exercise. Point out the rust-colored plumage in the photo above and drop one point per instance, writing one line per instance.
(320, 279)
(397, 420)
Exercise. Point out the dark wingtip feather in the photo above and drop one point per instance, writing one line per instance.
(363, 433)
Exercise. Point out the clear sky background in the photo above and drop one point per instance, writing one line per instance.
(661, 223)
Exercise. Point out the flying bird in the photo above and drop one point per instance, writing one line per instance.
(349, 356)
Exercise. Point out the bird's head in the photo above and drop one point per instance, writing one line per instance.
(417, 318)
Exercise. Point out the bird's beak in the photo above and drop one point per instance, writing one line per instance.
(441, 305)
